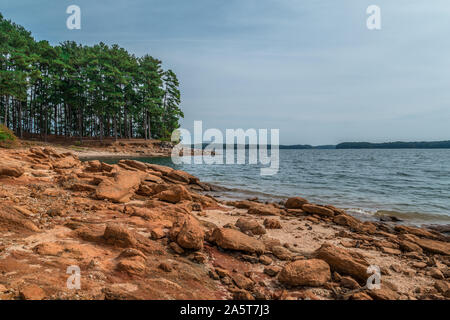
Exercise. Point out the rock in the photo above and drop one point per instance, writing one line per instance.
(343, 261)
(319, 210)
(165, 267)
(360, 296)
(222, 272)
(295, 203)
(296, 212)
(11, 170)
(132, 266)
(244, 204)
(191, 235)
(265, 260)
(55, 212)
(119, 235)
(349, 282)
(135, 164)
(346, 220)
(236, 240)
(419, 265)
(66, 163)
(157, 233)
(176, 248)
(272, 223)
(32, 292)
(131, 252)
(436, 273)
(312, 272)
(242, 295)
(433, 246)
(122, 188)
(272, 270)
(48, 249)
(409, 246)
(442, 287)
(269, 243)
(264, 210)
(24, 211)
(199, 257)
(175, 194)
(391, 251)
(241, 281)
(384, 293)
(158, 168)
(83, 187)
(245, 224)
(420, 232)
(182, 176)
(93, 166)
(16, 220)
(281, 253)
(153, 178)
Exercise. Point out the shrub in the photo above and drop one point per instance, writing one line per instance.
(7, 137)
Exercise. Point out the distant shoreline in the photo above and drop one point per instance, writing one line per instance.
(359, 145)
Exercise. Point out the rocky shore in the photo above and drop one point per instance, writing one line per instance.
(144, 231)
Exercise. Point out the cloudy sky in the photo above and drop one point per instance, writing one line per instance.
(310, 68)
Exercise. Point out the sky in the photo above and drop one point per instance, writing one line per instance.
(309, 68)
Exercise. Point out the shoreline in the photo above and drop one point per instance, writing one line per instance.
(153, 234)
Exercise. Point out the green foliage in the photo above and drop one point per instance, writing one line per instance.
(6, 134)
(7, 137)
(74, 90)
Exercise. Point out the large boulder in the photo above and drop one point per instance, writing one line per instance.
(281, 253)
(175, 194)
(235, 240)
(343, 261)
(346, 220)
(313, 272)
(11, 170)
(319, 210)
(251, 225)
(119, 235)
(191, 235)
(121, 188)
(68, 162)
(295, 203)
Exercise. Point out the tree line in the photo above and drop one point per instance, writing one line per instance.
(395, 145)
(81, 91)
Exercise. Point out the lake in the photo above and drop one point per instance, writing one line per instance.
(411, 184)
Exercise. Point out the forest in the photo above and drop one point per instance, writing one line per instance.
(83, 92)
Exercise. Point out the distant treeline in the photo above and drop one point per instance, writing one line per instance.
(87, 91)
(297, 146)
(395, 145)
(357, 145)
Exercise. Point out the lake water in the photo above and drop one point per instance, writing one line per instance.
(412, 184)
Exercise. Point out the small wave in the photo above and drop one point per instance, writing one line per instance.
(414, 216)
